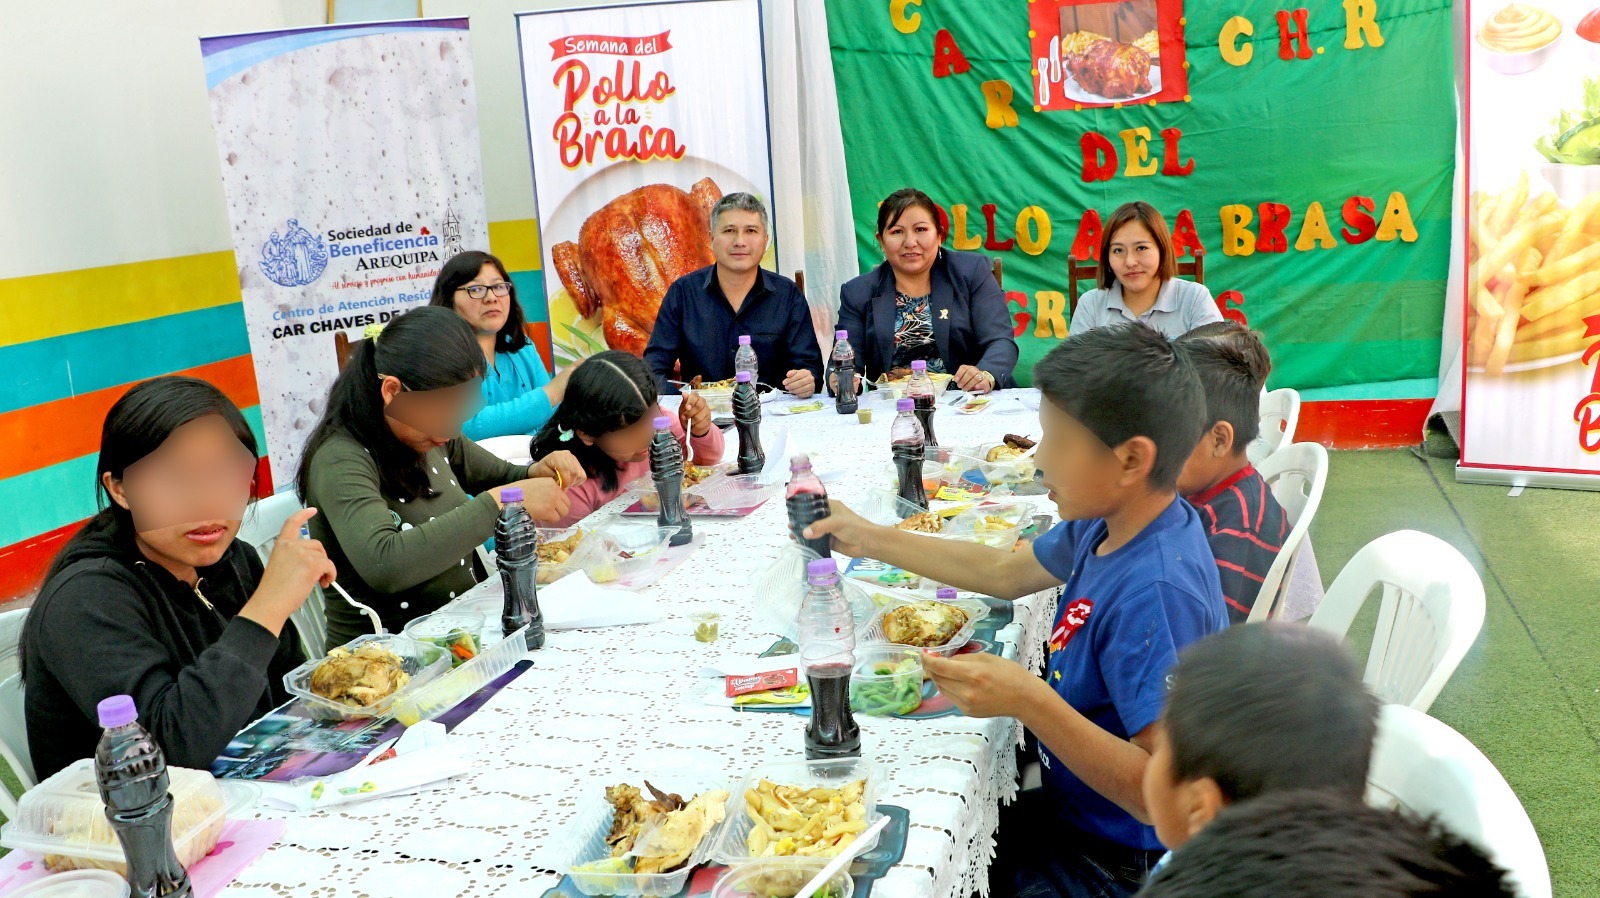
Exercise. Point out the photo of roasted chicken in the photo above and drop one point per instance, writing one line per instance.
(629, 252)
(926, 625)
(661, 831)
(1112, 69)
(368, 675)
(922, 522)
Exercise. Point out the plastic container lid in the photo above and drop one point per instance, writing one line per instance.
(116, 711)
(76, 884)
(744, 339)
(511, 494)
(905, 405)
(663, 423)
(742, 377)
(919, 365)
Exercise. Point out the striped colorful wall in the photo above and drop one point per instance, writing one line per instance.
(71, 343)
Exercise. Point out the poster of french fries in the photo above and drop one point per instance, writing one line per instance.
(1533, 232)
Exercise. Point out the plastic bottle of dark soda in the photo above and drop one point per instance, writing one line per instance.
(827, 652)
(666, 469)
(844, 372)
(747, 417)
(516, 554)
(920, 389)
(807, 501)
(908, 446)
(131, 771)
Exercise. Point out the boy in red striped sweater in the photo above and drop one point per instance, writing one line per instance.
(1244, 524)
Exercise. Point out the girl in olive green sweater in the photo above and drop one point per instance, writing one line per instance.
(404, 499)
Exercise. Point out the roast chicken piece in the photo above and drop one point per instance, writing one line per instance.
(631, 250)
(1112, 69)
(359, 678)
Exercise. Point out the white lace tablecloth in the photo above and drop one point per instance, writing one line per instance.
(606, 706)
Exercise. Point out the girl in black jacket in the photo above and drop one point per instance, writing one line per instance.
(154, 598)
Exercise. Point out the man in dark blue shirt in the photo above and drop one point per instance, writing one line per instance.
(705, 312)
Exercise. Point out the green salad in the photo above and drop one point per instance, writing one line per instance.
(1575, 139)
(898, 692)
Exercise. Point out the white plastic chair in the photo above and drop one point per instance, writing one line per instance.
(260, 527)
(1424, 766)
(11, 623)
(1280, 415)
(14, 741)
(1432, 611)
(1297, 475)
(513, 449)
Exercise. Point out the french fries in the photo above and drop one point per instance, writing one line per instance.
(1534, 277)
(795, 821)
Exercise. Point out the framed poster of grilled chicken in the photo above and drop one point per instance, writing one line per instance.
(1095, 54)
(640, 117)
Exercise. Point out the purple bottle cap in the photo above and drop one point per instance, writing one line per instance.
(841, 335)
(744, 339)
(511, 494)
(947, 592)
(822, 568)
(116, 711)
(742, 377)
(798, 461)
(663, 423)
(919, 365)
(905, 405)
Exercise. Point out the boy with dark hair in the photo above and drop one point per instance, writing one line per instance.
(1245, 525)
(1316, 843)
(1265, 708)
(1122, 411)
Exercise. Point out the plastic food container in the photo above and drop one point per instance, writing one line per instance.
(718, 399)
(771, 879)
(1011, 470)
(885, 507)
(628, 549)
(432, 699)
(593, 823)
(874, 633)
(645, 487)
(457, 632)
(897, 389)
(886, 681)
(733, 849)
(62, 820)
(991, 525)
(551, 571)
(76, 884)
(726, 492)
(425, 663)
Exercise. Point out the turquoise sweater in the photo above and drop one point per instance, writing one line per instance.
(513, 400)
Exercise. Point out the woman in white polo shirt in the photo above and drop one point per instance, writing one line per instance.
(1138, 279)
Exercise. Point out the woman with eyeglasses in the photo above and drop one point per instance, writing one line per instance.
(405, 500)
(519, 394)
(155, 598)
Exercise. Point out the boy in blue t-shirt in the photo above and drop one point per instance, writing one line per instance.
(1124, 410)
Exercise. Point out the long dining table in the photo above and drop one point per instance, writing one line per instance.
(623, 704)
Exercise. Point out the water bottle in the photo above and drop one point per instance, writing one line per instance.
(745, 358)
(920, 389)
(131, 771)
(666, 469)
(807, 502)
(516, 547)
(844, 373)
(908, 447)
(747, 417)
(827, 652)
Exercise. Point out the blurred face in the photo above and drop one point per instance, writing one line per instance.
(188, 497)
(425, 420)
(911, 243)
(486, 311)
(1079, 470)
(628, 445)
(738, 240)
(1135, 258)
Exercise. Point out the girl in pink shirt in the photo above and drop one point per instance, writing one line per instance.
(607, 419)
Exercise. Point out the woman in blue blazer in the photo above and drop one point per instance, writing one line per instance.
(927, 302)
